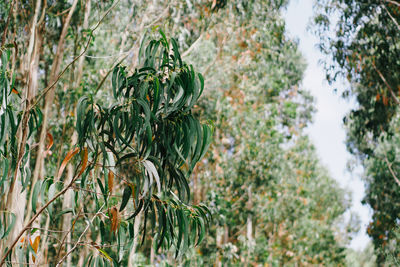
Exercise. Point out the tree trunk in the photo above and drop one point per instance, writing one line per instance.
(132, 254)
(16, 199)
(68, 197)
(49, 98)
(48, 102)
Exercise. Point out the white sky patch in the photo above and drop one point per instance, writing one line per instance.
(327, 132)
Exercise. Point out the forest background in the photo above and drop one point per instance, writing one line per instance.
(108, 109)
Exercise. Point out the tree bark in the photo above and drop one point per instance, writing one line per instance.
(16, 200)
(132, 254)
(49, 98)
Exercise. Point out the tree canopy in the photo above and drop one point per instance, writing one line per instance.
(361, 41)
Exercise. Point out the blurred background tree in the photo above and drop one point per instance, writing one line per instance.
(361, 42)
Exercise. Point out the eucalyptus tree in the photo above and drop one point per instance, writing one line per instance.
(274, 203)
(361, 41)
(141, 144)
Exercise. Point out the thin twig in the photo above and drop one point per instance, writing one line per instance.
(386, 83)
(43, 93)
(80, 237)
(190, 49)
(3, 38)
(28, 226)
(391, 170)
(67, 233)
(393, 2)
(393, 19)
(24, 263)
(109, 71)
(158, 18)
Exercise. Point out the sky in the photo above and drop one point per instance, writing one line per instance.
(327, 132)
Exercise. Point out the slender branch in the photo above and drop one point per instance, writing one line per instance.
(391, 170)
(158, 18)
(111, 56)
(80, 237)
(386, 83)
(67, 233)
(3, 38)
(28, 225)
(393, 2)
(109, 71)
(393, 19)
(43, 93)
(24, 263)
(190, 49)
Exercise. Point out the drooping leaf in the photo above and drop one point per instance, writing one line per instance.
(114, 214)
(35, 194)
(125, 197)
(67, 158)
(110, 181)
(84, 161)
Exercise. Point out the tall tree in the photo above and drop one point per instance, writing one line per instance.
(146, 124)
(361, 41)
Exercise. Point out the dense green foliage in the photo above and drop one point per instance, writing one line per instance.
(364, 47)
(101, 80)
(270, 187)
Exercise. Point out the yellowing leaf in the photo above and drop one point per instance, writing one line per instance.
(114, 219)
(84, 161)
(35, 246)
(110, 181)
(67, 158)
(104, 254)
(49, 146)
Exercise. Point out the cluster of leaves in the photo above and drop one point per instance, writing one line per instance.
(150, 126)
(382, 193)
(7, 145)
(364, 49)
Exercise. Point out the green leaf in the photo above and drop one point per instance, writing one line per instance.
(35, 194)
(164, 38)
(202, 230)
(125, 197)
(177, 55)
(10, 226)
(5, 171)
(63, 212)
(138, 209)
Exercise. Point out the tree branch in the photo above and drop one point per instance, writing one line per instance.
(28, 225)
(3, 38)
(192, 46)
(393, 2)
(80, 237)
(386, 83)
(393, 19)
(391, 170)
(67, 233)
(43, 93)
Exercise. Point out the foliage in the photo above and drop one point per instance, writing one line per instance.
(364, 49)
(149, 126)
(269, 182)
(362, 45)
